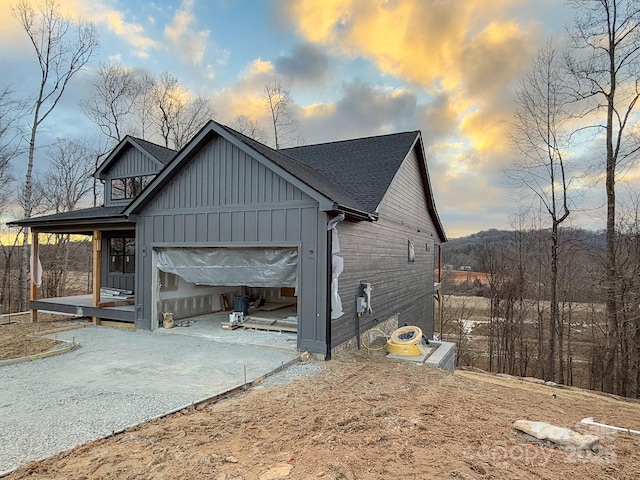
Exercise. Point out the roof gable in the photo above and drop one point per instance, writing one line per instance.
(156, 153)
(286, 167)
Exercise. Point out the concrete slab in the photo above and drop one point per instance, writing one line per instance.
(440, 355)
(118, 378)
(209, 327)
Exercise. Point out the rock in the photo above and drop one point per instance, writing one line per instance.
(539, 381)
(231, 459)
(276, 473)
(559, 435)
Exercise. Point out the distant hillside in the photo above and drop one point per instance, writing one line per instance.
(466, 251)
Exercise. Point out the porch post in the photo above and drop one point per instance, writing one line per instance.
(33, 291)
(97, 270)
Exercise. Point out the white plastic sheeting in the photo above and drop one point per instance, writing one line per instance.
(337, 265)
(36, 268)
(252, 267)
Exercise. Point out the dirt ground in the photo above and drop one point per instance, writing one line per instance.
(19, 337)
(365, 417)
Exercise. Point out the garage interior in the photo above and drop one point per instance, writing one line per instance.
(208, 285)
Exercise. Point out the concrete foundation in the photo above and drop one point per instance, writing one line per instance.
(440, 355)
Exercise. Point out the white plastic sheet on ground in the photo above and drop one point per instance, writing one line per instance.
(253, 267)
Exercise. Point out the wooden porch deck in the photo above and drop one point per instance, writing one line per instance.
(82, 305)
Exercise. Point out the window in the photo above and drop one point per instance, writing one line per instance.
(118, 189)
(130, 187)
(122, 255)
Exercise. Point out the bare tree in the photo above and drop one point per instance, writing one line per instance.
(64, 184)
(69, 177)
(539, 138)
(113, 102)
(606, 66)
(176, 114)
(112, 107)
(249, 127)
(144, 104)
(10, 113)
(628, 249)
(286, 130)
(62, 48)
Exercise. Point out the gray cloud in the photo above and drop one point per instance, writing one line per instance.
(364, 110)
(307, 63)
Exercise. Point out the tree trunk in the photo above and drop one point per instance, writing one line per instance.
(27, 202)
(553, 305)
(634, 368)
(608, 373)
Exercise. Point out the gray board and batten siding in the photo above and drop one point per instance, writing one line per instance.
(377, 253)
(132, 162)
(224, 197)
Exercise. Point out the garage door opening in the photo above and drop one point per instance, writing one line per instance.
(199, 281)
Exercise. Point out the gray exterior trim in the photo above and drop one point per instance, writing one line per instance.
(121, 148)
(119, 314)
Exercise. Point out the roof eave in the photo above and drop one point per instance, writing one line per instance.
(118, 149)
(64, 225)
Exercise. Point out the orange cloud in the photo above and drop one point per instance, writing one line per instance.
(468, 50)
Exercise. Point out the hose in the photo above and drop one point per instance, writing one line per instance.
(368, 346)
(408, 335)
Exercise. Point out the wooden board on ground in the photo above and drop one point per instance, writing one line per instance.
(224, 302)
(271, 325)
(116, 303)
(117, 324)
(229, 326)
(269, 307)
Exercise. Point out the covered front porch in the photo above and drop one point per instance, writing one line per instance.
(82, 305)
(99, 305)
(112, 264)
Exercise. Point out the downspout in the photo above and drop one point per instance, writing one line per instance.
(329, 267)
(331, 224)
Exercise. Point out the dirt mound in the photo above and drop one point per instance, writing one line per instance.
(21, 338)
(365, 417)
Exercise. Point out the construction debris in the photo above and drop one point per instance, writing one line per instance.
(558, 435)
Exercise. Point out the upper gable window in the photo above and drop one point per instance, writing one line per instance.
(129, 187)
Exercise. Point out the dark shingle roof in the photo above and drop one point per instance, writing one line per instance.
(96, 213)
(363, 168)
(160, 153)
(352, 174)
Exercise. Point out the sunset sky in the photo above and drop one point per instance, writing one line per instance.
(354, 67)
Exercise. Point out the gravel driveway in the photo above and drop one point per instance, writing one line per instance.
(117, 378)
